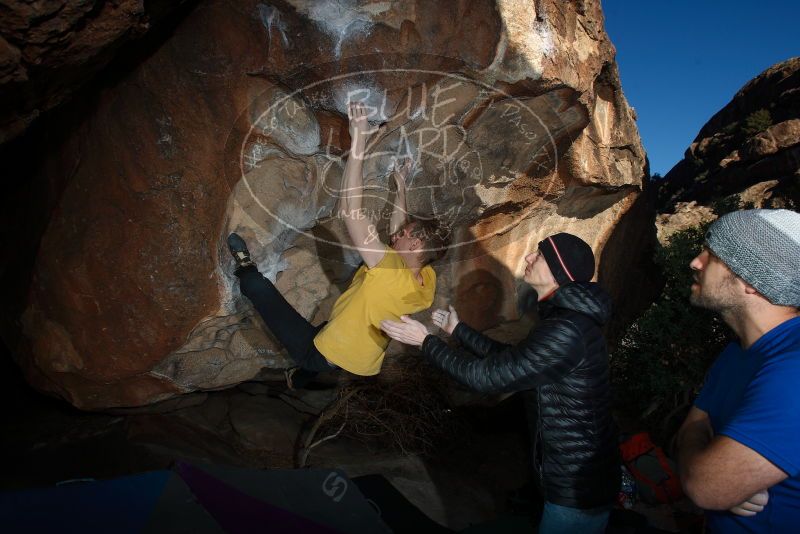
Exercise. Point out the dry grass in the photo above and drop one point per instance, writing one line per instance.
(408, 413)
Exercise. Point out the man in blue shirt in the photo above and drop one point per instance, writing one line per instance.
(739, 448)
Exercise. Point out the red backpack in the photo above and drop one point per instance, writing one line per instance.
(655, 474)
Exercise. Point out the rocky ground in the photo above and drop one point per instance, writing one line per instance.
(258, 425)
(474, 478)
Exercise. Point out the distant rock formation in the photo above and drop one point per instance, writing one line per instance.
(752, 140)
(513, 112)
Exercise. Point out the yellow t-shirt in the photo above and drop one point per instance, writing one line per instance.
(353, 339)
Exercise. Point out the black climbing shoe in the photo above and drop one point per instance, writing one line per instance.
(239, 251)
(298, 378)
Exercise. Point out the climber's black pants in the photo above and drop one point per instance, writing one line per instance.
(294, 332)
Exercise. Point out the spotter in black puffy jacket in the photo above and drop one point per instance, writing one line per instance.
(562, 366)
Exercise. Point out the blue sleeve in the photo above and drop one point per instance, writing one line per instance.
(705, 397)
(767, 419)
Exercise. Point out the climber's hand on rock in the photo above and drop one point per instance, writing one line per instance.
(359, 128)
(447, 320)
(406, 331)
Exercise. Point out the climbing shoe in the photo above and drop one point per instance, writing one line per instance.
(239, 251)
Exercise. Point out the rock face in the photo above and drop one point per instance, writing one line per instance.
(685, 215)
(49, 49)
(512, 112)
(752, 140)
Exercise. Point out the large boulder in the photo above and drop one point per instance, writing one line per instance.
(50, 49)
(512, 111)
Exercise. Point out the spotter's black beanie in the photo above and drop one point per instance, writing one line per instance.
(569, 257)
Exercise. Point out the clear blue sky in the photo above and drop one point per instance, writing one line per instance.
(681, 61)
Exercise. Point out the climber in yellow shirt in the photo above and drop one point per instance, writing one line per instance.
(394, 280)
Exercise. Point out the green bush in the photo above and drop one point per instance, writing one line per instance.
(661, 360)
(757, 122)
(731, 128)
(724, 205)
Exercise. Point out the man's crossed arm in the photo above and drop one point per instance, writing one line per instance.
(719, 473)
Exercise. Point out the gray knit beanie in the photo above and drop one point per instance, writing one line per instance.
(763, 248)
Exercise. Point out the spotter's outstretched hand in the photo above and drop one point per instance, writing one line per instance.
(407, 331)
(447, 320)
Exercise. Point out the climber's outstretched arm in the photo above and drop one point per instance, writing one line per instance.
(362, 230)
